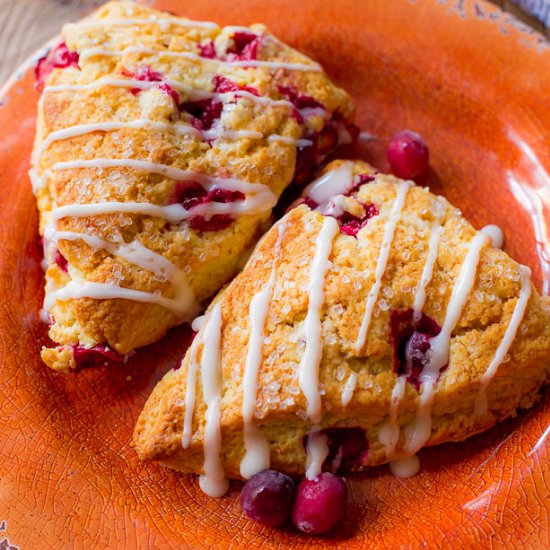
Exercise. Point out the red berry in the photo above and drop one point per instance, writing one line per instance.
(222, 84)
(408, 155)
(267, 497)
(92, 357)
(207, 49)
(320, 504)
(191, 194)
(59, 57)
(245, 47)
(61, 261)
(411, 343)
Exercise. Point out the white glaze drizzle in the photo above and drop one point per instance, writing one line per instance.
(506, 342)
(389, 231)
(388, 433)
(418, 432)
(259, 203)
(38, 182)
(172, 172)
(316, 453)
(138, 254)
(494, 232)
(178, 129)
(190, 393)
(335, 207)
(290, 141)
(309, 365)
(106, 291)
(213, 481)
(134, 252)
(192, 93)
(535, 200)
(349, 388)
(256, 457)
(173, 213)
(131, 83)
(84, 129)
(332, 183)
(191, 56)
(405, 467)
(433, 247)
(197, 323)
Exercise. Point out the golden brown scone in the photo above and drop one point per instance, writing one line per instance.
(501, 315)
(168, 125)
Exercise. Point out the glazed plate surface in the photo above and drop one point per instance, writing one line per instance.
(475, 84)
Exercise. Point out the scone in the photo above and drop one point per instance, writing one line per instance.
(372, 320)
(162, 146)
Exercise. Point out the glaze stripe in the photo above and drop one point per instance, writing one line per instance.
(213, 481)
(506, 342)
(418, 432)
(389, 231)
(311, 359)
(256, 457)
(191, 56)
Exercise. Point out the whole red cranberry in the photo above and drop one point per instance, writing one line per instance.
(59, 57)
(408, 155)
(320, 504)
(267, 497)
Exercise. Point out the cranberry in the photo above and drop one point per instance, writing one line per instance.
(222, 84)
(205, 112)
(309, 202)
(411, 343)
(188, 193)
(299, 100)
(320, 504)
(351, 225)
(59, 57)
(348, 448)
(208, 50)
(92, 357)
(245, 47)
(215, 223)
(224, 195)
(191, 194)
(167, 89)
(408, 155)
(147, 74)
(359, 180)
(61, 261)
(267, 497)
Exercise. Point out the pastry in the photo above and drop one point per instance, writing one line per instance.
(162, 145)
(372, 320)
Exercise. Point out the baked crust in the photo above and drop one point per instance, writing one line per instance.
(207, 259)
(281, 406)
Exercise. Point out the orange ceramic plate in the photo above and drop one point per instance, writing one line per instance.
(475, 84)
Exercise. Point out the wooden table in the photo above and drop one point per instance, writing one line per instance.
(25, 25)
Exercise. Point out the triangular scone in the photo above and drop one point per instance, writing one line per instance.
(324, 313)
(162, 146)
